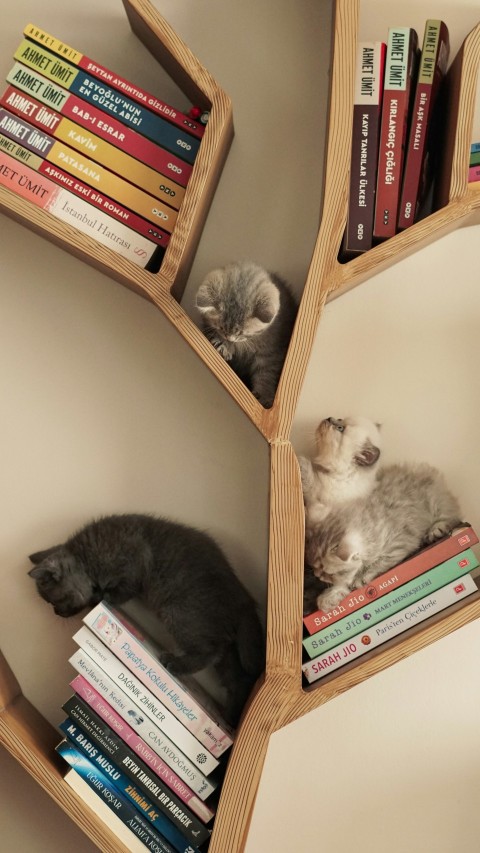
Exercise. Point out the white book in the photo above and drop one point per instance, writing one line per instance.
(133, 715)
(390, 627)
(147, 702)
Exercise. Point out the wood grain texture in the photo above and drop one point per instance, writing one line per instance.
(279, 697)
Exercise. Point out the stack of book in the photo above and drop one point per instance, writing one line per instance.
(396, 137)
(93, 149)
(403, 597)
(146, 751)
(474, 165)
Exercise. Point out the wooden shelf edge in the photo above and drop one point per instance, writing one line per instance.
(31, 740)
(391, 652)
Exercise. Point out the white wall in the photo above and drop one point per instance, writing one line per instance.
(106, 409)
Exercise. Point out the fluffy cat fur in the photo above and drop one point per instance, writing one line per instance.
(180, 574)
(373, 527)
(343, 468)
(248, 315)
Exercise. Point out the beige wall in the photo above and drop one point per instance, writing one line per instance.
(105, 409)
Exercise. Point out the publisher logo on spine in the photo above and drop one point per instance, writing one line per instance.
(371, 592)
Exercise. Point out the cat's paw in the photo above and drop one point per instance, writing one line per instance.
(330, 598)
(223, 349)
(170, 662)
(437, 531)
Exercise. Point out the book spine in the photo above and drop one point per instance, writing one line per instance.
(74, 185)
(155, 710)
(400, 69)
(391, 603)
(165, 813)
(369, 639)
(92, 173)
(135, 92)
(475, 159)
(474, 174)
(49, 95)
(150, 782)
(108, 626)
(103, 785)
(426, 559)
(108, 100)
(201, 787)
(433, 65)
(132, 714)
(100, 150)
(367, 107)
(475, 148)
(67, 207)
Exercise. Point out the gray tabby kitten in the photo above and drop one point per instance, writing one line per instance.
(248, 315)
(409, 507)
(179, 573)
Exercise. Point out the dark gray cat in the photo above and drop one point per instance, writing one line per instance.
(408, 508)
(248, 315)
(179, 573)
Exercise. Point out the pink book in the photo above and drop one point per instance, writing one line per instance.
(98, 704)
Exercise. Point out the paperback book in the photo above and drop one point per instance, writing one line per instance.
(140, 655)
(102, 784)
(390, 603)
(159, 714)
(95, 147)
(133, 91)
(399, 86)
(89, 194)
(34, 86)
(47, 148)
(201, 787)
(456, 542)
(407, 618)
(367, 108)
(69, 208)
(168, 816)
(154, 782)
(132, 714)
(425, 131)
(109, 100)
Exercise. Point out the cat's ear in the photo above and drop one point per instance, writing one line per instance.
(267, 303)
(48, 569)
(367, 455)
(39, 556)
(205, 299)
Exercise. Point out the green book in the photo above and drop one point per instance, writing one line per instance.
(391, 603)
(475, 158)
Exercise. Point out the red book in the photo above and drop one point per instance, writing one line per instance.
(400, 74)
(426, 559)
(424, 129)
(367, 106)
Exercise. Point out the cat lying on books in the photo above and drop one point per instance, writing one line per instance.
(362, 519)
(179, 573)
(248, 315)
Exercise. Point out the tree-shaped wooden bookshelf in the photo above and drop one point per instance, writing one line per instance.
(279, 698)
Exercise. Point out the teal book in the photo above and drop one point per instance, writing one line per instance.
(391, 603)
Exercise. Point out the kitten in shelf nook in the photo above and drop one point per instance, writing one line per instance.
(360, 518)
(248, 315)
(177, 572)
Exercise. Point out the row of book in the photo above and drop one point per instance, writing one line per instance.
(474, 164)
(405, 596)
(398, 119)
(146, 751)
(93, 149)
